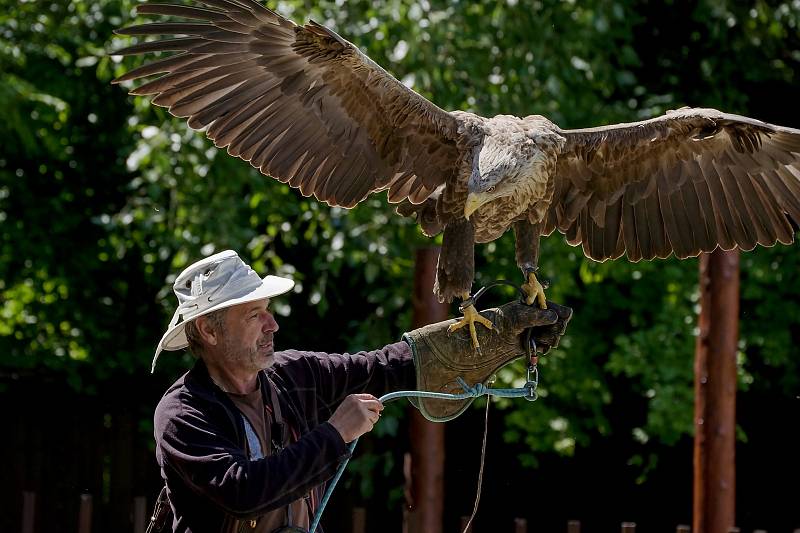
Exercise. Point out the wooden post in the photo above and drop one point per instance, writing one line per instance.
(407, 496)
(574, 526)
(85, 514)
(425, 500)
(359, 520)
(715, 393)
(628, 527)
(139, 514)
(520, 525)
(28, 511)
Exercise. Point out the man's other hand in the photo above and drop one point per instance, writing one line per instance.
(356, 415)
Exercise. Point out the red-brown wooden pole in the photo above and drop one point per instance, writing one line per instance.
(28, 511)
(359, 520)
(715, 393)
(425, 502)
(85, 514)
(139, 514)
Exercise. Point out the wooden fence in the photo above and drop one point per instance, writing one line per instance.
(139, 518)
(78, 462)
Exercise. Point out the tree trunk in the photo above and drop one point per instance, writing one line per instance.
(715, 393)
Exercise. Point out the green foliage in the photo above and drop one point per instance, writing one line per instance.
(103, 198)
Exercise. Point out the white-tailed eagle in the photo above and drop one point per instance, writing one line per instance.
(306, 107)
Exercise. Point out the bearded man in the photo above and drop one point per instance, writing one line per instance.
(247, 438)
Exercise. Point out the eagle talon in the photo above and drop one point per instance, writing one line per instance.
(534, 291)
(471, 316)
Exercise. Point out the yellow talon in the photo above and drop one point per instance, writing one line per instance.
(535, 291)
(471, 315)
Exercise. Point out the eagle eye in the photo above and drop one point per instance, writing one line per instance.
(490, 189)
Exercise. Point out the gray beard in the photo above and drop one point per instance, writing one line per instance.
(248, 357)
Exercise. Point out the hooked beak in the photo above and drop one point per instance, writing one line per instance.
(473, 202)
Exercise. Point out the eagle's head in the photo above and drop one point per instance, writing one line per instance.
(500, 167)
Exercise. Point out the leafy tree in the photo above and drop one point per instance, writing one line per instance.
(104, 197)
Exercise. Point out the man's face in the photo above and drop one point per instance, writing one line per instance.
(247, 339)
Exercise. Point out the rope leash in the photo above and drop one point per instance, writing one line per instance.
(528, 391)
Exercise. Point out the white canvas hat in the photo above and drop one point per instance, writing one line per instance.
(213, 283)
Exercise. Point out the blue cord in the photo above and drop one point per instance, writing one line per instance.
(528, 391)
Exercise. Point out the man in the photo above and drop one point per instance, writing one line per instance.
(247, 438)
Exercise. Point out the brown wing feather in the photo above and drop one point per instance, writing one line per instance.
(684, 183)
(300, 103)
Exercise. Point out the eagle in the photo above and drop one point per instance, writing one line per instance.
(308, 108)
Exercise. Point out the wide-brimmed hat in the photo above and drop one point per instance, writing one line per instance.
(213, 283)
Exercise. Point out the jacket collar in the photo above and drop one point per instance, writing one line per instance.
(266, 378)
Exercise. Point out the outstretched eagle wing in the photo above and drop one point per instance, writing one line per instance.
(684, 183)
(299, 103)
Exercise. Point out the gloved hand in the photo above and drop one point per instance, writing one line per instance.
(441, 357)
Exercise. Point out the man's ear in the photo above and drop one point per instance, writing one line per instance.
(206, 330)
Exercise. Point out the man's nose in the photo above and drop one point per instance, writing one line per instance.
(269, 323)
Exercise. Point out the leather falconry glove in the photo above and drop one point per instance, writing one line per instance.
(441, 357)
